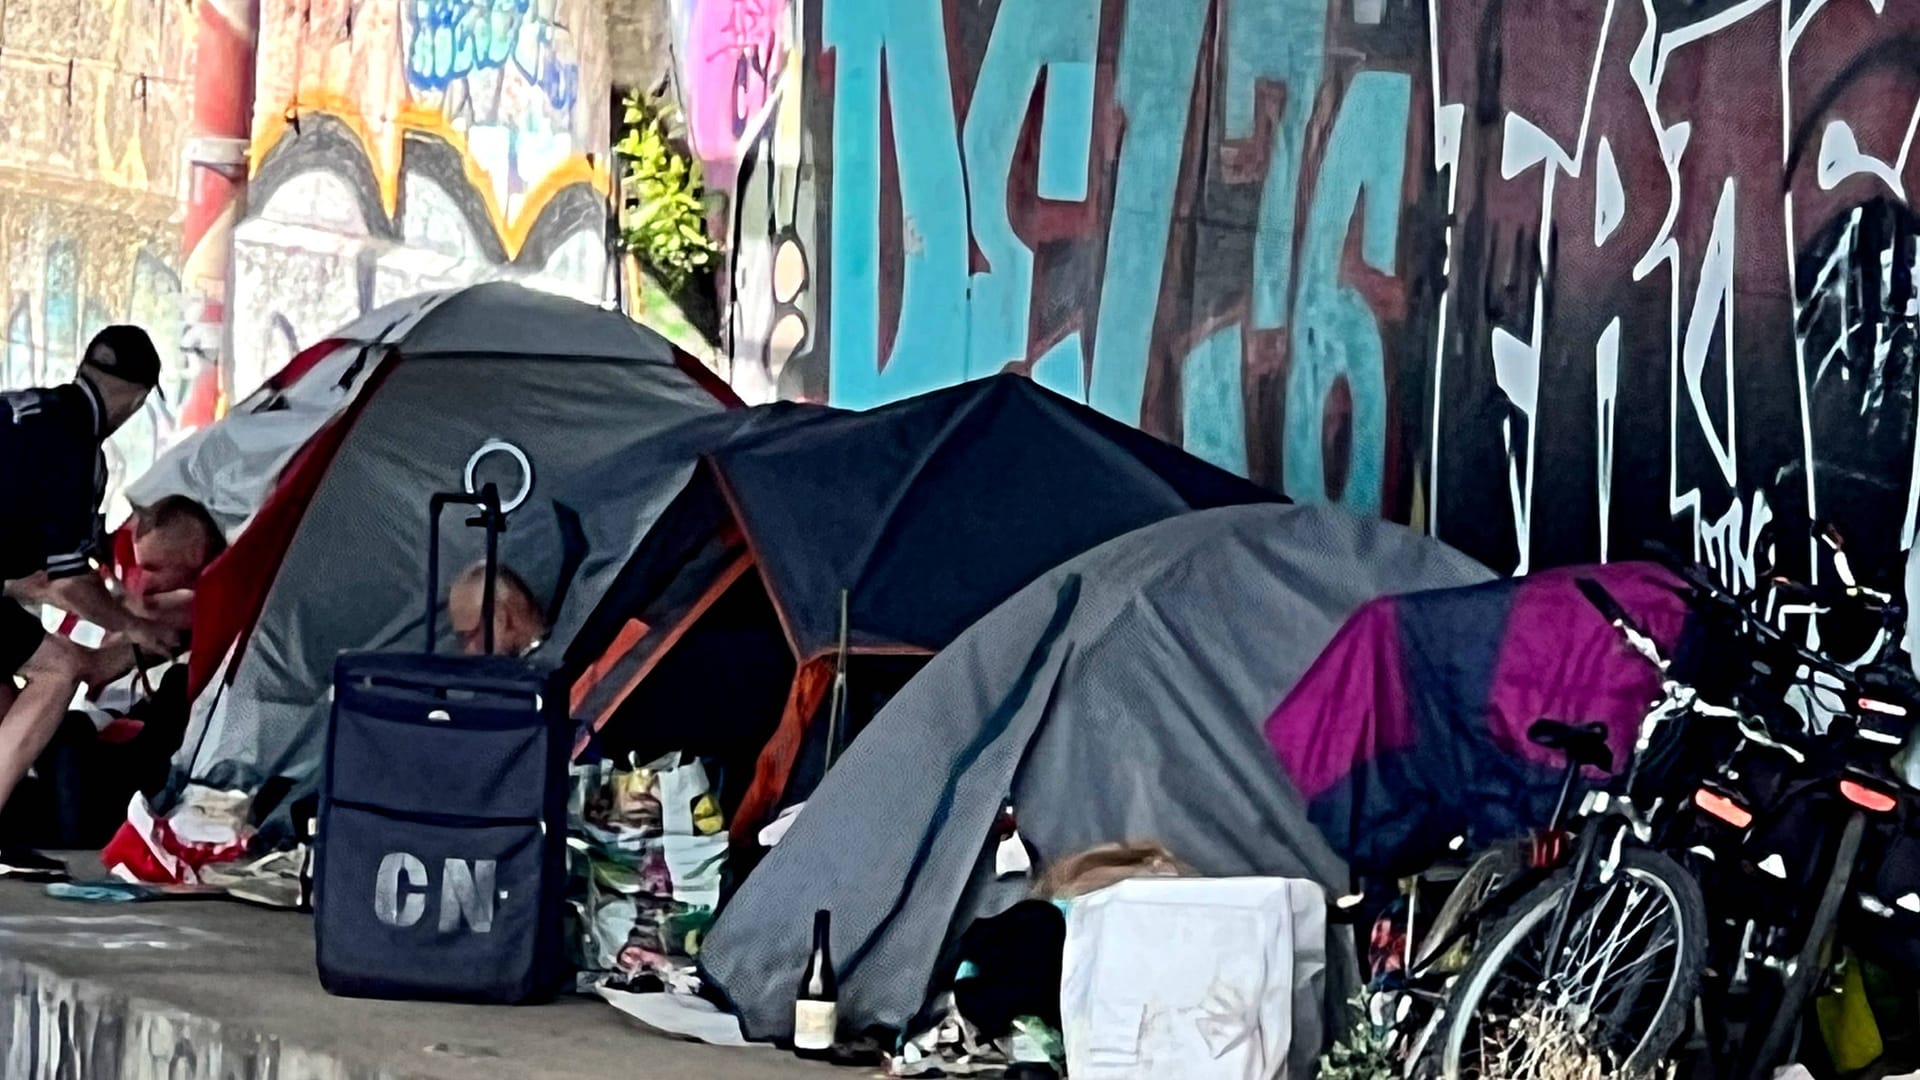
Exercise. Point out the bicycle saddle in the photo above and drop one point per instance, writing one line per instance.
(1585, 744)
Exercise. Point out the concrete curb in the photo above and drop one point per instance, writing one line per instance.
(56, 1027)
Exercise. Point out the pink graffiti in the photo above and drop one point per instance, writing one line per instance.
(735, 50)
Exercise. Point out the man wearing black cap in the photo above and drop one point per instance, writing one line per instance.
(52, 478)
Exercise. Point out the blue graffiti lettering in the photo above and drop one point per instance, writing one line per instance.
(962, 318)
(1059, 36)
(1334, 334)
(908, 39)
(534, 54)
(1066, 140)
(1159, 53)
(1282, 41)
(1064, 369)
(1214, 411)
(1028, 37)
(452, 39)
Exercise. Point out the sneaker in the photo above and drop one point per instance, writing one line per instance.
(26, 864)
(272, 881)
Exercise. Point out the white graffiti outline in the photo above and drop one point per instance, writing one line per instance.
(1517, 363)
(1606, 377)
(1648, 69)
(1789, 34)
(1448, 121)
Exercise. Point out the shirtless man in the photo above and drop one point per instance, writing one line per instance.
(173, 541)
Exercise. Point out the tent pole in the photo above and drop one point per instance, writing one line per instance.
(837, 705)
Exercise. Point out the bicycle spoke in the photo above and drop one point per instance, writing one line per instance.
(1620, 953)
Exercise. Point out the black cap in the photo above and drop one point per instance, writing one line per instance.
(124, 352)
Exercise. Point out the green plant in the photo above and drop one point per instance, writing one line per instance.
(662, 220)
(1540, 1044)
(1360, 1054)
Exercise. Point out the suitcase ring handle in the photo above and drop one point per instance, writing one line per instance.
(501, 446)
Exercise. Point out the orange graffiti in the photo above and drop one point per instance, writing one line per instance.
(346, 59)
(384, 150)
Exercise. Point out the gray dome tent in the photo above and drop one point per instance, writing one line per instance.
(1118, 697)
(229, 467)
(334, 559)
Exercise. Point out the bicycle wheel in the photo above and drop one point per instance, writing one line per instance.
(1622, 986)
(1489, 870)
(1806, 969)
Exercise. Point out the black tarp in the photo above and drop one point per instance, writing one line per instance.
(928, 513)
(934, 510)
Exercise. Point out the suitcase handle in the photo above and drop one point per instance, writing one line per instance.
(493, 520)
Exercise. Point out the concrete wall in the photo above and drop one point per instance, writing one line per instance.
(404, 145)
(93, 101)
(743, 95)
(56, 1028)
(1549, 276)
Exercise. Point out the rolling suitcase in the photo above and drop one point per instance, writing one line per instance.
(440, 861)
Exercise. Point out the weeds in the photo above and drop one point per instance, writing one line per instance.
(1362, 1053)
(1541, 1045)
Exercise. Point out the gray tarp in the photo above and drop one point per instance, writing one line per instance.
(230, 466)
(1119, 697)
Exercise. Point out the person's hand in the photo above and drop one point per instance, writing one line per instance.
(105, 665)
(31, 589)
(174, 608)
(155, 639)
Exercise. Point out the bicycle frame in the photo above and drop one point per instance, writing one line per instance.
(1677, 700)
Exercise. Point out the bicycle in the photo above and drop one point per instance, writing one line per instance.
(1508, 891)
(1490, 882)
(1787, 823)
(1621, 902)
(1612, 945)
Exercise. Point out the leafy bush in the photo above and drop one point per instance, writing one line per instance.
(1360, 1054)
(662, 219)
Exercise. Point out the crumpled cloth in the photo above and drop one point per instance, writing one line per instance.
(208, 827)
(951, 1046)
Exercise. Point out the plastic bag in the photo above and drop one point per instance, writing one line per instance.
(655, 845)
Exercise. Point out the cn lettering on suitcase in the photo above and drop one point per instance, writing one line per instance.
(466, 892)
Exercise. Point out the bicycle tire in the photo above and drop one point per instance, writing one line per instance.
(1492, 866)
(1683, 896)
(1798, 987)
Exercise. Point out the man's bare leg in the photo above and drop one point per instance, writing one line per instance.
(34, 715)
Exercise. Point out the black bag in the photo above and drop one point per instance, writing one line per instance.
(1887, 931)
(440, 862)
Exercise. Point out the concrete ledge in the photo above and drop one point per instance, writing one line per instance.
(55, 1028)
(200, 990)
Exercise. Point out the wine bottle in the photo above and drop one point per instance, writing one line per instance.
(816, 1005)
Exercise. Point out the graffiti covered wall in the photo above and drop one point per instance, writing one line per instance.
(1678, 292)
(1551, 277)
(406, 145)
(92, 126)
(743, 95)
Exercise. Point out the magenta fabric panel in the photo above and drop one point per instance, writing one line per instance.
(1562, 660)
(1350, 706)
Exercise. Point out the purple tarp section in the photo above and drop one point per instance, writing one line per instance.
(1411, 727)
